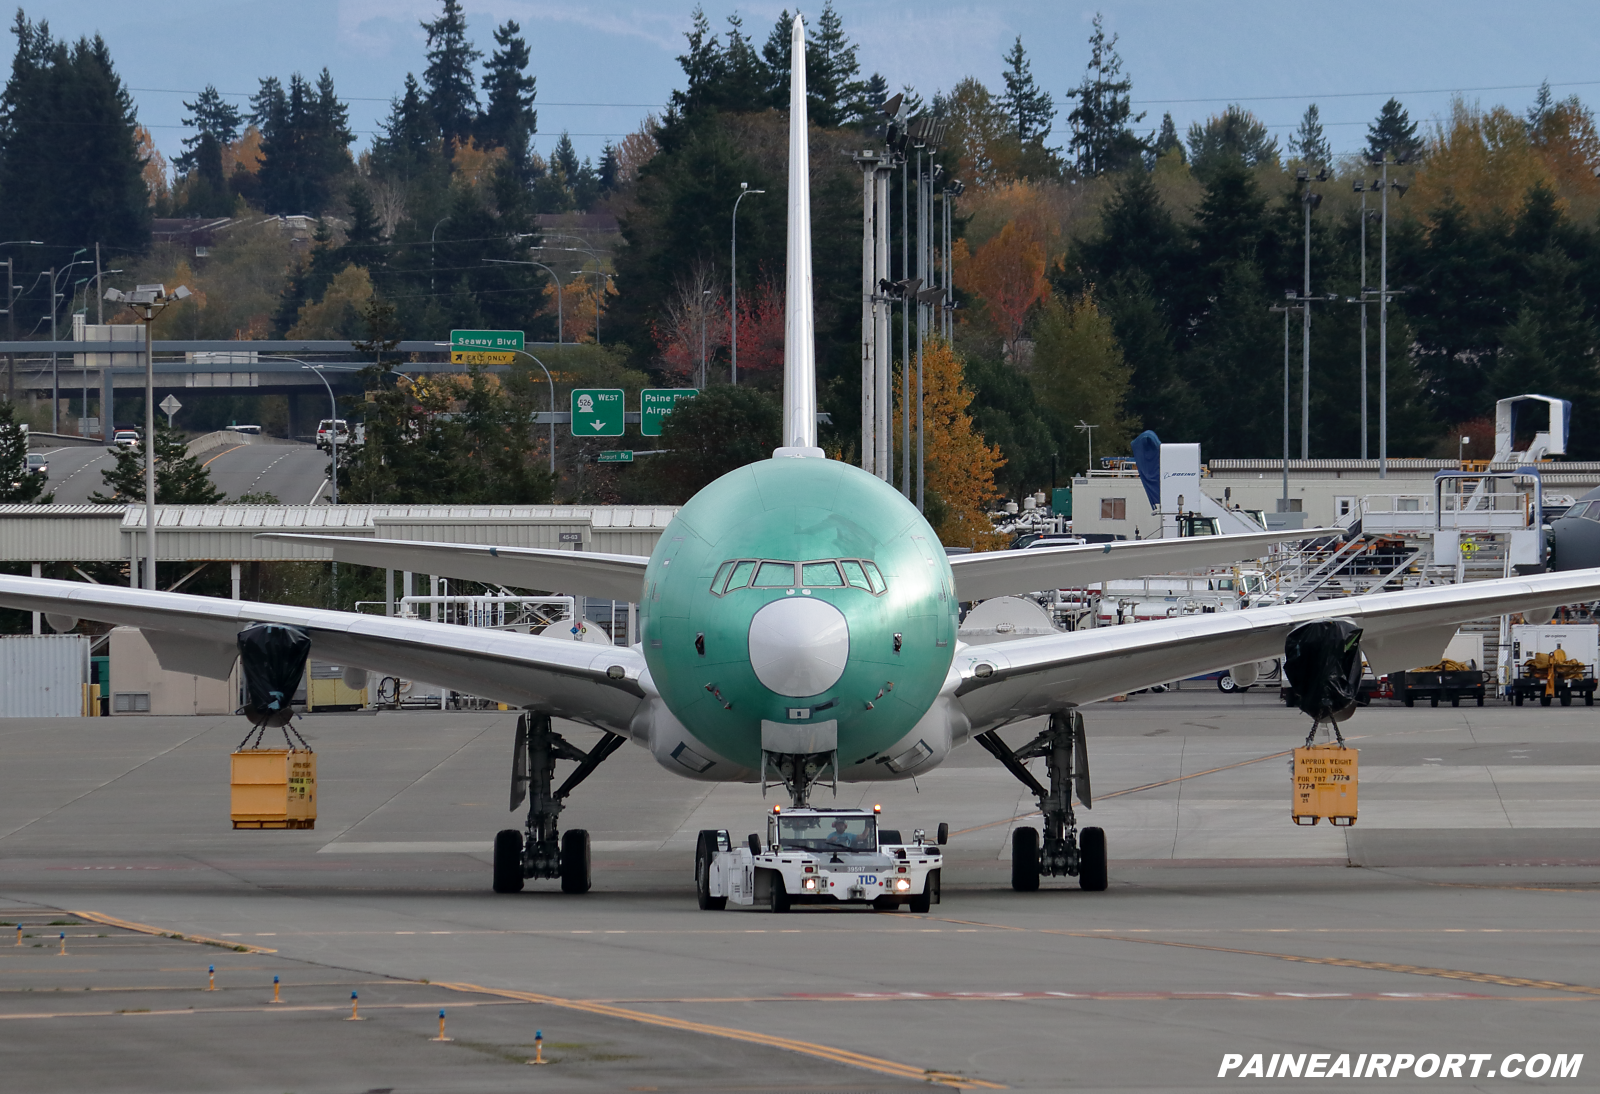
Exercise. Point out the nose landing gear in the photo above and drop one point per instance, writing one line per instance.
(1063, 850)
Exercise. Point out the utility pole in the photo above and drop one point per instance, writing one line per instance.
(55, 376)
(733, 267)
(1283, 506)
(1308, 202)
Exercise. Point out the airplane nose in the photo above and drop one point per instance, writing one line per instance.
(799, 646)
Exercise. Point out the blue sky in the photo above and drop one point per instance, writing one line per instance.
(602, 64)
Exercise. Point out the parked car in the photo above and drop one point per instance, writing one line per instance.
(126, 438)
(37, 464)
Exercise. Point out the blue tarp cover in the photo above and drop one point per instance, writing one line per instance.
(1147, 456)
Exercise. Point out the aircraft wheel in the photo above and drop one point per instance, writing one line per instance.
(1226, 684)
(1092, 876)
(508, 861)
(779, 895)
(1025, 860)
(575, 860)
(705, 849)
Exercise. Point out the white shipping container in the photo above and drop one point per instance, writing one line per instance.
(1580, 641)
(43, 675)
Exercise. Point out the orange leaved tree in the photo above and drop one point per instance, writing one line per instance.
(1007, 275)
(960, 464)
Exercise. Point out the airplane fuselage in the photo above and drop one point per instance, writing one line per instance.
(797, 592)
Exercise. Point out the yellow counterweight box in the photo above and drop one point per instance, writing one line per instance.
(274, 788)
(1325, 778)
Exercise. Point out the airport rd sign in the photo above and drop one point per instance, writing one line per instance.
(624, 455)
(484, 347)
(655, 403)
(597, 412)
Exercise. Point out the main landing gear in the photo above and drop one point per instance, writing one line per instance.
(1065, 851)
(545, 853)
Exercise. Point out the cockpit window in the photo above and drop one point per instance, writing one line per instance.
(741, 574)
(820, 575)
(775, 575)
(878, 584)
(855, 574)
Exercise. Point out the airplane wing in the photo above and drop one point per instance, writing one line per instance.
(999, 573)
(587, 573)
(596, 685)
(1004, 682)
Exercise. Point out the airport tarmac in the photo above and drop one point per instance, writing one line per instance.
(1458, 916)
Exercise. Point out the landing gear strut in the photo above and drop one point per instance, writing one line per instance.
(798, 773)
(1063, 850)
(546, 852)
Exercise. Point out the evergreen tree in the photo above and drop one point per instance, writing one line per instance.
(1167, 139)
(1543, 103)
(874, 93)
(18, 485)
(208, 114)
(305, 138)
(704, 438)
(509, 120)
(834, 91)
(1308, 145)
(269, 104)
(70, 167)
(1393, 133)
(1030, 108)
(1235, 136)
(408, 137)
(744, 82)
(452, 86)
(565, 158)
(181, 479)
(1102, 139)
(606, 174)
(1138, 239)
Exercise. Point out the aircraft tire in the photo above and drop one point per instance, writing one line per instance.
(575, 860)
(1226, 684)
(1092, 874)
(1025, 860)
(508, 861)
(705, 848)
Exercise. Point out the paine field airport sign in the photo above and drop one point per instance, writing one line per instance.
(655, 403)
(484, 347)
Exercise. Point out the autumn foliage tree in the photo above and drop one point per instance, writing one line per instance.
(1007, 275)
(1079, 373)
(960, 463)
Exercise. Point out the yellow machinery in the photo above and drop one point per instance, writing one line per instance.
(274, 788)
(326, 689)
(1325, 778)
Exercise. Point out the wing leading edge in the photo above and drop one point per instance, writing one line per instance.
(596, 685)
(1004, 682)
(1000, 573)
(614, 577)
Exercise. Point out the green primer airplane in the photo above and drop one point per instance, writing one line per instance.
(799, 625)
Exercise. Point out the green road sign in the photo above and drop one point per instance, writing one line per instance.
(486, 340)
(597, 412)
(655, 403)
(624, 455)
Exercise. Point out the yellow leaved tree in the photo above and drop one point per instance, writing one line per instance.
(960, 464)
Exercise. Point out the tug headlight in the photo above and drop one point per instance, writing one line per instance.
(809, 884)
(902, 884)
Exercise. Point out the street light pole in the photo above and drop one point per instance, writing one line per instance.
(1283, 506)
(147, 302)
(11, 314)
(560, 312)
(333, 434)
(433, 245)
(744, 192)
(552, 383)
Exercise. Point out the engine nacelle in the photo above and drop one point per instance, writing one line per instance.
(1322, 662)
(273, 659)
(1246, 675)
